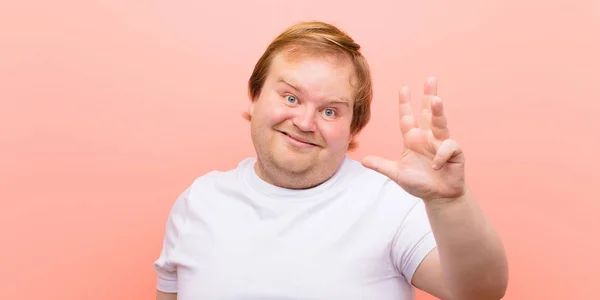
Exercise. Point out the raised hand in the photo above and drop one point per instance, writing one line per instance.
(432, 166)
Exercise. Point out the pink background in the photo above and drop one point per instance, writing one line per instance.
(109, 109)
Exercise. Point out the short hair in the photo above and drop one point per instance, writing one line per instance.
(319, 38)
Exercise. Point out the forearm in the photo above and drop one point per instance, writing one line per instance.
(471, 253)
(165, 296)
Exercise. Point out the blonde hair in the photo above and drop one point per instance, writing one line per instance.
(319, 38)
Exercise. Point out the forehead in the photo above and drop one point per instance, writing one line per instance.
(313, 71)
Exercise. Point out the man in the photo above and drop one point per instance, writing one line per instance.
(303, 221)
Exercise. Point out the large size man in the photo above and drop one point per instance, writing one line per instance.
(304, 221)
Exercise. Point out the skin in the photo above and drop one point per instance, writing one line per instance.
(165, 296)
(470, 261)
(301, 130)
(301, 121)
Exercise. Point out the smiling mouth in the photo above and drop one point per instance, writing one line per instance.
(300, 141)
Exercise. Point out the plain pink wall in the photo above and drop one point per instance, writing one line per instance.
(109, 109)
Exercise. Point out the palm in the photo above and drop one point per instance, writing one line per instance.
(425, 146)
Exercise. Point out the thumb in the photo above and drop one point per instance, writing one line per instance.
(386, 167)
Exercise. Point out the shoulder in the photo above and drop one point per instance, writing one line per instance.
(353, 171)
(364, 178)
(217, 180)
(364, 181)
(222, 176)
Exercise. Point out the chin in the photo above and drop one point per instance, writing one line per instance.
(293, 162)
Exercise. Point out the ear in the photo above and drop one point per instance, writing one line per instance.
(251, 108)
(248, 114)
(353, 143)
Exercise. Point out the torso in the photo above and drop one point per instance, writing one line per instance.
(335, 243)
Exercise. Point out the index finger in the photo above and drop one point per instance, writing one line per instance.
(430, 92)
(439, 126)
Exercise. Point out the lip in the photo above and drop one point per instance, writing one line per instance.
(297, 140)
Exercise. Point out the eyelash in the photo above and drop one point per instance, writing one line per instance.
(296, 98)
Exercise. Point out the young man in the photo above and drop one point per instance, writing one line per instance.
(303, 221)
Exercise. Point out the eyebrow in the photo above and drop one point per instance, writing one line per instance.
(285, 81)
(294, 86)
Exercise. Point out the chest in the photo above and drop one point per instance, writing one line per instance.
(286, 258)
(270, 268)
(234, 247)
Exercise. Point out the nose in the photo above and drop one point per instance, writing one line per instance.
(305, 120)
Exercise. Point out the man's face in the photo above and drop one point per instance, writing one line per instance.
(301, 119)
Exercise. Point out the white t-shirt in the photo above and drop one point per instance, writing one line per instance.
(231, 235)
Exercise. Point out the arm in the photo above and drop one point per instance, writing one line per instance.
(165, 296)
(166, 284)
(469, 262)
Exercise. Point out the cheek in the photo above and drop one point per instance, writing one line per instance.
(336, 135)
(273, 111)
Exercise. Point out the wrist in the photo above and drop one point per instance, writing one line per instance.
(442, 203)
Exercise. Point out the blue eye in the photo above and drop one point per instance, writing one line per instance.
(329, 112)
(290, 99)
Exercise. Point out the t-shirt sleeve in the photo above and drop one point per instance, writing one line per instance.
(414, 238)
(165, 269)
